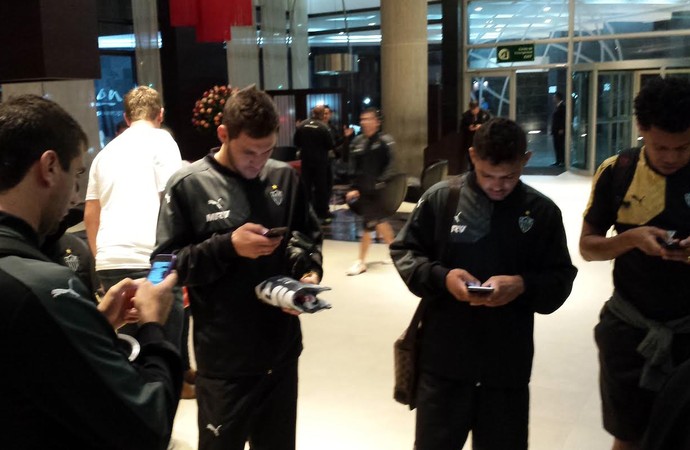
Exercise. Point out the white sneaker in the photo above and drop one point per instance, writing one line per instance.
(357, 268)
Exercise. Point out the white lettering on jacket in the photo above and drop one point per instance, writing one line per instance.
(220, 215)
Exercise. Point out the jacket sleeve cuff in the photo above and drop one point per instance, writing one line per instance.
(223, 244)
(528, 279)
(150, 332)
(438, 277)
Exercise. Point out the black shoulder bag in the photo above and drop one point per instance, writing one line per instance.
(405, 347)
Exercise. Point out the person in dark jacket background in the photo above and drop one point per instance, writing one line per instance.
(470, 122)
(476, 349)
(558, 129)
(315, 141)
(70, 386)
(372, 158)
(214, 218)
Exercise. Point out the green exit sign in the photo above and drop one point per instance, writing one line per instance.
(514, 53)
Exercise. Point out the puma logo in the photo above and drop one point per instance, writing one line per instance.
(217, 203)
(457, 217)
(214, 430)
(69, 291)
(639, 199)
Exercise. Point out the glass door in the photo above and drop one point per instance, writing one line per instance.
(580, 136)
(614, 114)
(492, 93)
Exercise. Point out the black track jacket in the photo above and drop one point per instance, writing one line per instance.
(235, 334)
(521, 235)
(66, 383)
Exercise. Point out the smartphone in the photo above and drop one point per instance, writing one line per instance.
(480, 289)
(671, 245)
(276, 232)
(161, 266)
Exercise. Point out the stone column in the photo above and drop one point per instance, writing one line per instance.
(404, 79)
(243, 57)
(145, 18)
(78, 98)
(275, 57)
(299, 46)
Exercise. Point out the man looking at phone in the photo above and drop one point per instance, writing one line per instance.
(644, 194)
(476, 350)
(69, 385)
(215, 217)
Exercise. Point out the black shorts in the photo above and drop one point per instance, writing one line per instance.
(368, 206)
(626, 407)
(260, 409)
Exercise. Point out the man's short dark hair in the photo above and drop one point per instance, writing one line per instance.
(317, 112)
(371, 110)
(250, 111)
(664, 103)
(29, 126)
(500, 140)
(473, 104)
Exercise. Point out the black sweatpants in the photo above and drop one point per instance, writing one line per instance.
(261, 410)
(315, 176)
(447, 410)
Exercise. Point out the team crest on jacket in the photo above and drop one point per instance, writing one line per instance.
(525, 222)
(276, 195)
(687, 199)
(71, 260)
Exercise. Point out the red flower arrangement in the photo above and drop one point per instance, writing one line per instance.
(208, 110)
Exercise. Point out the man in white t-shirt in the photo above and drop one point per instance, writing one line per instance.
(126, 182)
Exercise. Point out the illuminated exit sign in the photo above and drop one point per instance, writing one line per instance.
(514, 53)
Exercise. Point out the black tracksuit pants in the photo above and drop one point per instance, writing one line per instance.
(261, 410)
(447, 410)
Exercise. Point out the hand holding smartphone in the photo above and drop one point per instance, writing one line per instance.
(161, 266)
(476, 289)
(670, 243)
(276, 232)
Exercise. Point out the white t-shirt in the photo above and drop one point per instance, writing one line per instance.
(127, 177)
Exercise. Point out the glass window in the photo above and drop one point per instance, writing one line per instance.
(607, 17)
(117, 78)
(606, 50)
(505, 20)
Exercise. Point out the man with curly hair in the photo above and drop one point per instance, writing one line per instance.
(644, 194)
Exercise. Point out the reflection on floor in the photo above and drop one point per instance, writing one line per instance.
(346, 370)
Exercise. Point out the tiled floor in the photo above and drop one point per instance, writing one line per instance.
(346, 370)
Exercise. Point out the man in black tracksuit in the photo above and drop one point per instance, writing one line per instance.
(68, 384)
(476, 349)
(315, 141)
(372, 162)
(214, 216)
